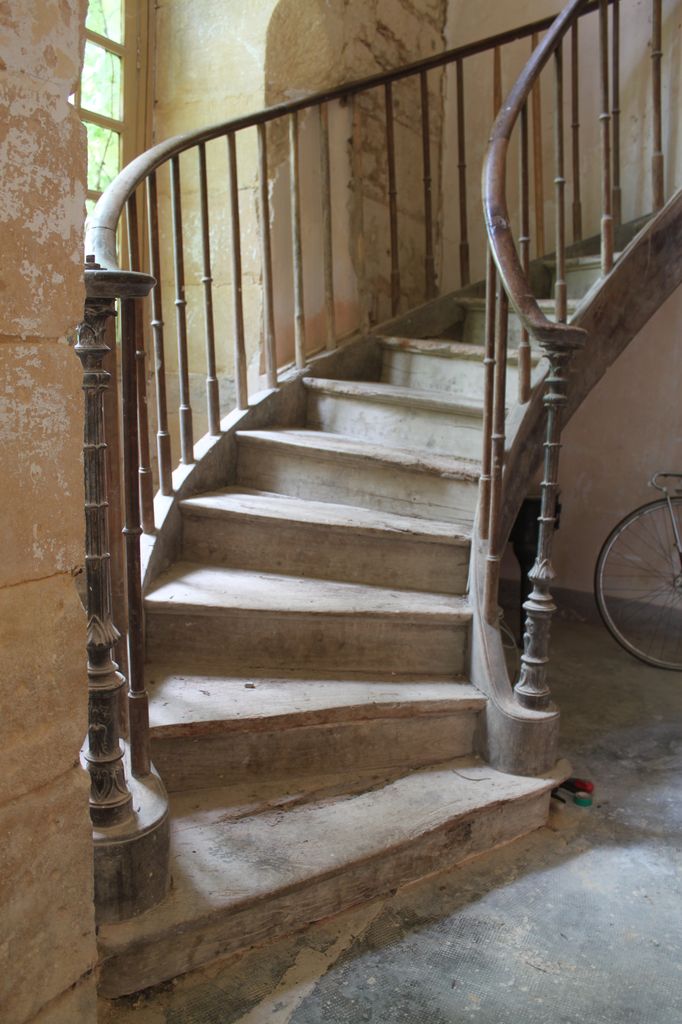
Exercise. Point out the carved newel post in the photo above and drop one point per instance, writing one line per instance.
(129, 811)
(110, 798)
(532, 689)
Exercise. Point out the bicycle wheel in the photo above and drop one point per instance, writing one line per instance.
(638, 585)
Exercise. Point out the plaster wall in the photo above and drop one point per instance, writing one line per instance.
(47, 944)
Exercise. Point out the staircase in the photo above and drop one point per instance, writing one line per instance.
(313, 618)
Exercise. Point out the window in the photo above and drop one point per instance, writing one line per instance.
(112, 98)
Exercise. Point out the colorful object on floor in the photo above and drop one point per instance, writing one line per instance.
(581, 790)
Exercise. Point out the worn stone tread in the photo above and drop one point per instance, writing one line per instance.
(239, 882)
(319, 444)
(394, 394)
(206, 589)
(201, 697)
(266, 505)
(448, 349)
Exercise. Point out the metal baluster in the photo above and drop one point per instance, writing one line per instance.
(575, 134)
(615, 111)
(462, 174)
(212, 392)
(494, 556)
(297, 249)
(138, 705)
(429, 265)
(392, 200)
(604, 117)
(144, 461)
(163, 441)
(241, 385)
(266, 260)
(657, 167)
(488, 393)
(185, 410)
(524, 352)
(327, 250)
(560, 306)
(538, 168)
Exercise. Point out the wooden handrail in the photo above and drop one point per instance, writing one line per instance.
(102, 225)
(495, 210)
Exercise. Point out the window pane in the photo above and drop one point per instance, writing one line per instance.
(104, 159)
(101, 81)
(106, 17)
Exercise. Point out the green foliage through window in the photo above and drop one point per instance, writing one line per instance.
(106, 18)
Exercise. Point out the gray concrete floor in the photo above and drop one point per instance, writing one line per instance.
(579, 922)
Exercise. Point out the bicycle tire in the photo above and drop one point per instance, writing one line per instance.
(638, 585)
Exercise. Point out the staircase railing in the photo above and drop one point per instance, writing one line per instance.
(177, 234)
(509, 284)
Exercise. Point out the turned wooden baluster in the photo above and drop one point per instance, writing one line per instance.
(266, 259)
(358, 214)
(615, 112)
(185, 409)
(163, 441)
(604, 117)
(327, 246)
(138, 703)
(524, 351)
(497, 80)
(212, 391)
(464, 271)
(392, 200)
(240, 378)
(575, 134)
(560, 305)
(429, 265)
(296, 243)
(495, 548)
(144, 464)
(110, 798)
(488, 393)
(538, 166)
(532, 690)
(656, 56)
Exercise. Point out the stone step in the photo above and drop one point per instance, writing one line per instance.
(247, 529)
(211, 730)
(395, 415)
(582, 272)
(331, 467)
(451, 367)
(251, 621)
(242, 880)
(473, 329)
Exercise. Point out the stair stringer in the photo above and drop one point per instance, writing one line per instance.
(612, 313)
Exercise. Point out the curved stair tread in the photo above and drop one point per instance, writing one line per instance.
(266, 505)
(394, 394)
(446, 349)
(205, 700)
(318, 444)
(206, 589)
(233, 887)
(477, 304)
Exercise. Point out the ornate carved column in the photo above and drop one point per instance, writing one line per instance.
(532, 689)
(110, 798)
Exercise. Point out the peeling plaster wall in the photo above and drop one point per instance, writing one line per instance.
(47, 946)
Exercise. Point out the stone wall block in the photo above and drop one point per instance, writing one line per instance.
(45, 892)
(41, 445)
(42, 153)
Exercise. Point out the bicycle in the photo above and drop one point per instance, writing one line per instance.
(638, 579)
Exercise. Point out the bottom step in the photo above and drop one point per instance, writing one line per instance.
(240, 881)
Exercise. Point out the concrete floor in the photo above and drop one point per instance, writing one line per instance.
(579, 922)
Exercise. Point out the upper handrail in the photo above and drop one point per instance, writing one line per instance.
(495, 210)
(100, 239)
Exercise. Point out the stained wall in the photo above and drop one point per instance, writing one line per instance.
(47, 945)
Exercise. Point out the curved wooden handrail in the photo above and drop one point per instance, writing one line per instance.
(496, 213)
(100, 239)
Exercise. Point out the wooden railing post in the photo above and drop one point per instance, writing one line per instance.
(392, 200)
(657, 155)
(464, 271)
(429, 264)
(575, 133)
(163, 440)
(240, 369)
(266, 260)
(296, 242)
(212, 389)
(605, 117)
(128, 802)
(615, 112)
(327, 245)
